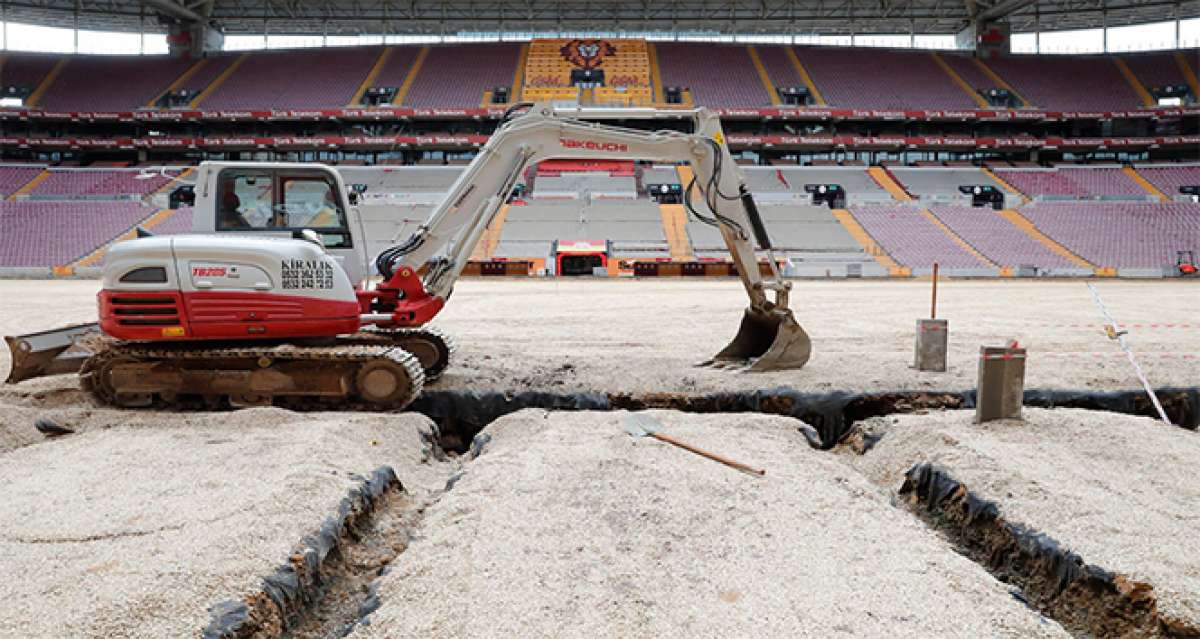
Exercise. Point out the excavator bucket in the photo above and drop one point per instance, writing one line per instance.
(766, 341)
(48, 353)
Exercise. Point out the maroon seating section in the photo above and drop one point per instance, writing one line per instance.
(1157, 69)
(1075, 182)
(40, 234)
(80, 182)
(396, 67)
(878, 79)
(779, 67)
(1120, 234)
(1068, 83)
(911, 239)
(997, 239)
(111, 83)
(718, 75)
(316, 78)
(12, 178)
(457, 76)
(1168, 179)
(26, 70)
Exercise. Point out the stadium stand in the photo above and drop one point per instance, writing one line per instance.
(111, 83)
(91, 183)
(941, 183)
(863, 78)
(1157, 69)
(26, 70)
(457, 76)
(12, 178)
(1169, 179)
(1073, 183)
(1120, 234)
(396, 68)
(911, 239)
(716, 75)
(57, 233)
(268, 78)
(996, 238)
(1069, 83)
(206, 72)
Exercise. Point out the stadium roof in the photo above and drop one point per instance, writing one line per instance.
(349, 17)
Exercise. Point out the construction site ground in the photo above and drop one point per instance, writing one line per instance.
(143, 523)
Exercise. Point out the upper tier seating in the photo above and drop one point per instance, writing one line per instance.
(328, 78)
(111, 83)
(1073, 183)
(1168, 179)
(1158, 69)
(397, 66)
(1120, 234)
(875, 79)
(212, 67)
(967, 67)
(911, 239)
(1068, 83)
(779, 67)
(82, 183)
(457, 76)
(997, 238)
(26, 70)
(717, 75)
(12, 178)
(42, 234)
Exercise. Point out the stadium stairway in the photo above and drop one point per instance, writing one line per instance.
(1030, 229)
(813, 91)
(885, 179)
(411, 78)
(1145, 184)
(763, 76)
(959, 81)
(369, 80)
(963, 244)
(868, 243)
(219, 80)
(674, 220)
(1134, 83)
(1007, 187)
(30, 185)
(1188, 73)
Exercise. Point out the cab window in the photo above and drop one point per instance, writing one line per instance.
(255, 200)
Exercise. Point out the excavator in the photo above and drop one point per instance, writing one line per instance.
(274, 303)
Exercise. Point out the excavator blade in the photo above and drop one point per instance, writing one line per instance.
(766, 341)
(49, 352)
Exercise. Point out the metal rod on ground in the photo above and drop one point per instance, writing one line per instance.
(1119, 335)
(933, 305)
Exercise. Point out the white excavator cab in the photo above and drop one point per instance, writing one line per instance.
(278, 199)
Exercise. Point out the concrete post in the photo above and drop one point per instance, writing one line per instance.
(930, 351)
(1001, 386)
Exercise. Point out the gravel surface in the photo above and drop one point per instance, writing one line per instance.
(1119, 490)
(568, 526)
(645, 335)
(134, 530)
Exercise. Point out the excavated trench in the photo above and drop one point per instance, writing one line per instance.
(327, 586)
(826, 417)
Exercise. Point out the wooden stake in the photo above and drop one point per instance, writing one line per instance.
(933, 305)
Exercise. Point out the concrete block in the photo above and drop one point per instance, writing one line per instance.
(1001, 386)
(930, 351)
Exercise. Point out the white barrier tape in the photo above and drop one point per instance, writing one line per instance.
(1119, 336)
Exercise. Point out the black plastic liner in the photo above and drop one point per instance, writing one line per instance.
(1085, 599)
(827, 417)
(298, 582)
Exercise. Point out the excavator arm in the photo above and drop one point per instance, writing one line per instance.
(769, 338)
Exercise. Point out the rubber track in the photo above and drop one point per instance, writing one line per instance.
(107, 349)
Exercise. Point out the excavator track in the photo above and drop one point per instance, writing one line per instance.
(431, 346)
(190, 376)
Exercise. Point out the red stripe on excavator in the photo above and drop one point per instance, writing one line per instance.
(222, 315)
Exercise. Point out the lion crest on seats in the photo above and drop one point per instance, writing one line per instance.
(587, 54)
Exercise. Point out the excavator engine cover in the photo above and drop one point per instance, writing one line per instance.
(767, 340)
